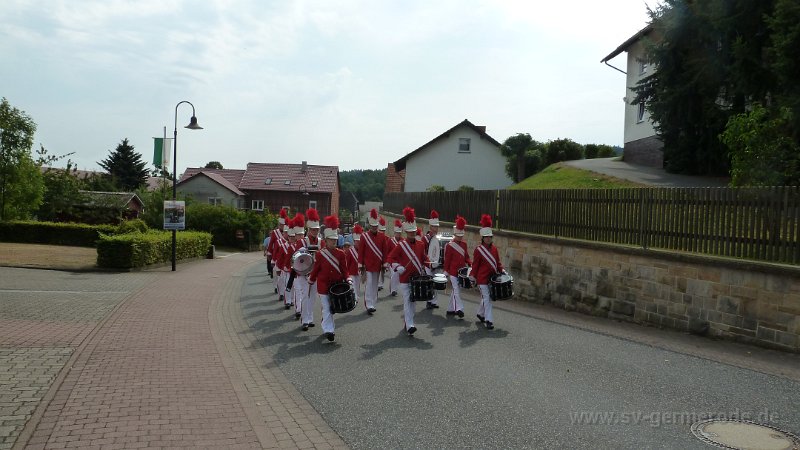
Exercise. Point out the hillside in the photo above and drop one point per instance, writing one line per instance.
(560, 176)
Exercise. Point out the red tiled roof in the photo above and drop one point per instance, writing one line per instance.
(315, 178)
(234, 176)
(217, 178)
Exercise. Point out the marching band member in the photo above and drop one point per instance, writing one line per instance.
(407, 259)
(433, 249)
(286, 264)
(486, 262)
(275, 236)
(300, 282)
(394, 280)
(371, 256)
(278, 253)
(352, 264)
(358, 278)
(456, 256)
(330, 266)
(382, 230)
(312, 222)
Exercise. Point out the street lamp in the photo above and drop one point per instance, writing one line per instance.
(192, 126)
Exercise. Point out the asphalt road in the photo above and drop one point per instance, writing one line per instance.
(528, 383)
(651, 176)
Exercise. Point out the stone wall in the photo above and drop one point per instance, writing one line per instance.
(757, 303)
(647, 151)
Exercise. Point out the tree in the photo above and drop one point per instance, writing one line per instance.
(125, 167)
(436, 188)
(21, 185)
(562, 150)
(214, 165)
(514, 149)
(465, 188)
(710, 66)
(61, 188)
(592, 151)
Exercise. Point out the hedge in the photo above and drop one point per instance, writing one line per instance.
(53, 233)
(125, 251)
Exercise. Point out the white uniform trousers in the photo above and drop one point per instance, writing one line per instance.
(409, 307)
(432, 301)
(455, 297)
(276, 280)
(381, 276)
(300, 291)
(394, 281)
(307, 312)
(356, 280)
(282, 283)
(327, 318)
(485, 308)
(371, 289)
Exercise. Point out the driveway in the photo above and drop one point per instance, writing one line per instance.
(651, 176)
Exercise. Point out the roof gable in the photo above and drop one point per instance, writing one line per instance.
(630, 41)
(110, 199)
(290, 177)
(234, 176)
(400, 164)
(215, 177)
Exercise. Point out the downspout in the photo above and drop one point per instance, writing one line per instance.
(609, 65)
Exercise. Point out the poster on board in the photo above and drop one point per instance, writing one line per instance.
(174, 215)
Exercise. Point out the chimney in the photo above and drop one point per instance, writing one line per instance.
(304, 167)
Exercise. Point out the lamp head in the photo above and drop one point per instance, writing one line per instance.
(193, 124)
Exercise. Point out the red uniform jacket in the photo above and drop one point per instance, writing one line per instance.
(352, 260)
(274, 238)
(401, 255)
(286, 262)
(486, 262)
(372, 251)
(280, 253)
(330, 266)
(453, 259)
(391, 243)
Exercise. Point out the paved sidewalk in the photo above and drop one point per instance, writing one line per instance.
(173, 367)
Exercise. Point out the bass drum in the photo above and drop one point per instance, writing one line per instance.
(342, 297)
(501, 287)
(302, 261)
(421, 287)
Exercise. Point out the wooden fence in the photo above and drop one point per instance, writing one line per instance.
(750, 223)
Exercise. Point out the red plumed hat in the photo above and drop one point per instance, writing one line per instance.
(373, 218)
(486, 224)
(434, 220)
(299, 224)
(398, 226)
(358, 229)
(458, 228)
(312, 217)
(331, 227)
(282, 216)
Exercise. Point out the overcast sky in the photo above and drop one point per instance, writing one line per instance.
(353, 83)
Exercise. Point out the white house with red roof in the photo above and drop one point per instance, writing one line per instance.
(464, 155)
(267, 186)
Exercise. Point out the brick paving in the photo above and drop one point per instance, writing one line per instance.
(173, 366)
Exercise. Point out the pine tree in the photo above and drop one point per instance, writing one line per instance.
(125, 167)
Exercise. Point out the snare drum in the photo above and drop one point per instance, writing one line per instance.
(465, 280)
(440, 282)
(501, 287)
(421, 287)
(342, 297)
(302, 262)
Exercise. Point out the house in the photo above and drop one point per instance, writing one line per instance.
(106, 207)
(267, 186)
(461, 156)
(210, 185)
(641, 144)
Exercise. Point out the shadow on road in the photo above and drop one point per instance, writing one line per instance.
(401, 340)
(319, 345)
(468, 338)
(438, 323)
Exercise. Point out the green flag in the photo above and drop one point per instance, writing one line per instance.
(161, 151)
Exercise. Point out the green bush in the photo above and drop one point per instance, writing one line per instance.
(125, 251)
(223, 222)
(53, 233)
(132, 226)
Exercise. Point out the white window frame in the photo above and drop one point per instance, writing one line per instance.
(642, 66)
(215, 201)
(640, 112)
(461, 142)
(312, 204)
(257, 205)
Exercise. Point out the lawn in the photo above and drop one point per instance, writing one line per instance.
(40, 256)
(560, 176)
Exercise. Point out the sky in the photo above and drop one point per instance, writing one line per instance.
(352, 83)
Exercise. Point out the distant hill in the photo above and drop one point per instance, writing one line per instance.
(367, 185)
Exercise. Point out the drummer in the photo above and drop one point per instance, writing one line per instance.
(371, 255)
(456, 256)
(330, 266)
(432, 246)
(312, 222)
(300, 285)
(271, 250)
(408, 259)
(352, 264)
(382, 230)
(391, 243)
(286, 263)
(486, 262)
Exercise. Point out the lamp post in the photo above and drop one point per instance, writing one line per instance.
(192, 126)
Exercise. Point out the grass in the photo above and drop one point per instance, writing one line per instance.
(561, 176)
(40, 256)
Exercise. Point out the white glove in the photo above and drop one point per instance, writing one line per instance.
(400, 269)
(504, 272)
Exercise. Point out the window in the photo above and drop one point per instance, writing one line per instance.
(258, 205)
(214, 201)
(642, 66)
(287, 182)
(314, 184)
(312, 204)
(463, 145)
(640, 113)
(268, 181)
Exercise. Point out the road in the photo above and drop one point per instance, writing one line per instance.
(529, 383)
(651, 176)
